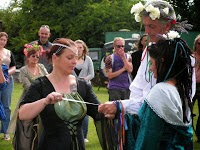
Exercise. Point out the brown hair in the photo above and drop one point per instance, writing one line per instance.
(31, 52)
(86, 50)
(3, 34)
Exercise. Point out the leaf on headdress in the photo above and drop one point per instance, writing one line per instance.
(183, 26)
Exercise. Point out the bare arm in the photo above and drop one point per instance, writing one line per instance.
(128, 64)
(108, 67)
(111, 74)
(2, 78)
(12, 70)
(29, 111)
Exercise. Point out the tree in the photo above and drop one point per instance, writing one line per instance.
(88, 20)
(188, 10)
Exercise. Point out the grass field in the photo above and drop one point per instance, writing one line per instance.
(92, 137)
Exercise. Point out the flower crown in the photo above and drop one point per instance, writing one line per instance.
(154, 12)
(32, 47)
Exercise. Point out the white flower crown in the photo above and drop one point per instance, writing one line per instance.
(154, 12)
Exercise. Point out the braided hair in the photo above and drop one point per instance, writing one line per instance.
(173, 61)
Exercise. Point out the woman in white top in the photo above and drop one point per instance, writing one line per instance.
(6, 94)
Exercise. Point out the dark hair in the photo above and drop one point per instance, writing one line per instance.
(173, 60)
(139, 44)
(58, 50)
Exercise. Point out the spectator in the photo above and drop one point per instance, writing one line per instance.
(84, 70)
(28, 73)
(118, 67)
(136, 55)
(3, 75)
(44, 34)
(197, 72)
(5, 95)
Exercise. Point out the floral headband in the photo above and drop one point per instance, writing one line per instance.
(32, 47)
(154, 12)
(161, 10)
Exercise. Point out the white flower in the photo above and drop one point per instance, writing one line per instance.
(137, 8)
(165, 36)
(171, 35)
(149, 8)
(166, 10)
(138, 18)
(155, 14)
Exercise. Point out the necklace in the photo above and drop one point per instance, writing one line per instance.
(33, 70)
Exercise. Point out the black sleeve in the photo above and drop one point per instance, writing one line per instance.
(12, 63)
(86, 92)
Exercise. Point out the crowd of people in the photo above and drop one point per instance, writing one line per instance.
(156, 87)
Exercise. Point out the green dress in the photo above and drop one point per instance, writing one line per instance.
(161, 126)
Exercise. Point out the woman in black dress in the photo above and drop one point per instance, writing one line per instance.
(61, 119)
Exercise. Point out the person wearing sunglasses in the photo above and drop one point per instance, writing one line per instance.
(118, 67)
(197, 72)
(44, 34)
(28, 73)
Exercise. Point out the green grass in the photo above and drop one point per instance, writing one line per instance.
(92, 137)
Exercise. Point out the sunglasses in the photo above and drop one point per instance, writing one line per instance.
(35, 56)
(45, 26)
(119, 46)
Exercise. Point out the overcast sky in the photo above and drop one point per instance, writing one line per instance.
(4, 3)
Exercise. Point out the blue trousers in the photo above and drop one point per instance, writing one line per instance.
(5, 97)
(85, 126)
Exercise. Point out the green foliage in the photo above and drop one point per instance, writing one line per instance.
(88, 20)
(188, 10)
(77, 19)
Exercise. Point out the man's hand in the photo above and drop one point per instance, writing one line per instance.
(108, 109)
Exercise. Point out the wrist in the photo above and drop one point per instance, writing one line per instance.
(44, 100)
